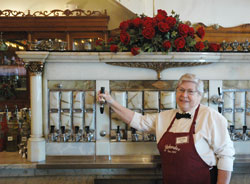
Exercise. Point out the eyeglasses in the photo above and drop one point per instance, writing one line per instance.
(189, 91)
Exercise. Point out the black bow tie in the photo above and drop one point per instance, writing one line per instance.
(184, 115)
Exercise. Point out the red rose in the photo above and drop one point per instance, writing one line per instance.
(214, 47)
(124, 37)
(179, 43)
(201, 32)
(171, 21)
(199, 46)
(113, 48)
(124, 25)
(148, 32)
(183, 29)
(191, 32)
(163, 27)
(166, 45)
(135, 50)
(160, 18)
(137, 22)
(149, 22)
(162, 12)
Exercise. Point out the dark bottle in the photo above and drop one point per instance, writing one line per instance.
(12, 136)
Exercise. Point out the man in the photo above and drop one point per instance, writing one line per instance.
(193, 140)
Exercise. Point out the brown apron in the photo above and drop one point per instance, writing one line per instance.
(181, 164)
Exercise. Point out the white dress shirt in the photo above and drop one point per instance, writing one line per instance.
(211, 138)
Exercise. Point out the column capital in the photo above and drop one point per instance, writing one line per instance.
(35, 68)
(34, 60)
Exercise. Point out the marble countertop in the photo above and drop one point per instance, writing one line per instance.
(14, 160)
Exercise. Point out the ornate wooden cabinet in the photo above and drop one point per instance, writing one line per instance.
(55, 30)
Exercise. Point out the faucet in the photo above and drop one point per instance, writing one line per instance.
(152, 137)
(245, 136)
(134, 135)
(234, 136)
(118, 134)
(65, 135)
(217, 99)
(89, 134)
(77, 134)
(53, 135)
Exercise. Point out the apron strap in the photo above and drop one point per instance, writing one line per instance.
(192, 128)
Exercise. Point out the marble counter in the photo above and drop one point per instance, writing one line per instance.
(12, 161)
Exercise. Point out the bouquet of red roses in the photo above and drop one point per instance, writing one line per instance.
(161, 33)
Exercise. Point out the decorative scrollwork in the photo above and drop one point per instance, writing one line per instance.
(157, 66)
(11, 13)
(54, 13)
(35, 68)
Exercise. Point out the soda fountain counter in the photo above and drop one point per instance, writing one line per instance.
(68, 131)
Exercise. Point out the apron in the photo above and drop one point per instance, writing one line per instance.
(181, 164)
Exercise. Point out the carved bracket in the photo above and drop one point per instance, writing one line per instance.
(157, 66)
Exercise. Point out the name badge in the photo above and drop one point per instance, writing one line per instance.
(182, 140)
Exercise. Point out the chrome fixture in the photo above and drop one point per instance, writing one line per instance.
(245, 135)
(53, 135)
(118, 134)
(217, 99)
(77, 136)
(135, 137)
(89, 134)
(233, 134)
(65, 134)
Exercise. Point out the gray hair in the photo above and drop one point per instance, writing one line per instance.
(188, 77)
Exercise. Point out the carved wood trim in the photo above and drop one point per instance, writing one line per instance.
(55, 13)
(216, 33)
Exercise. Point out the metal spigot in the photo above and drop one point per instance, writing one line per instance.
(65, 135)
(118, 134)
(217, 99)
(77, 136)
(152, 137)
(233, 135)
(134, 135)
(89, 134)
(245, 137)
(53, 135)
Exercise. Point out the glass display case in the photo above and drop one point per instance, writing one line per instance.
(13, 77)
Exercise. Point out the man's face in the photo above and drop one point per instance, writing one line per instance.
(187, 96)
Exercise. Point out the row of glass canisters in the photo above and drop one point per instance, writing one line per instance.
(236, 107)
(72, 116)
(72, 113)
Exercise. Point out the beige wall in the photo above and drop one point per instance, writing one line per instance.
(227, 13)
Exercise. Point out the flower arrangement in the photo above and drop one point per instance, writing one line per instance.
(161, 33)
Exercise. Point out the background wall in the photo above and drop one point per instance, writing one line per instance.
(226, 13)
